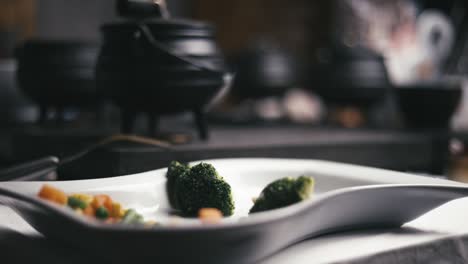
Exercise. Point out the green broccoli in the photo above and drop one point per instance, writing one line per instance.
(174, 171)
(283, 192)
(198, 187)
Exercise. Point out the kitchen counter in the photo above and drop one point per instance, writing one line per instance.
(394, 150)
(389, 149)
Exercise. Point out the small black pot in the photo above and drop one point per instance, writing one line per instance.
(350, 76)
(429, 105)
(263, 70)
(58, 73)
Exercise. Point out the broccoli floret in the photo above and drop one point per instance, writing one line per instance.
(199, 187)
(283, 192)
(174, 171)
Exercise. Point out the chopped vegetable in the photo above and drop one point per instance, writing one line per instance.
(53, 194)
(174, 172)
(210, 215)
(117, 210)
(89, 211)
(132, 217)
(100, 207)
(283, 192)
(102, 213)
(75, 203)
(83, 197)
(198, 187)
(102, 200)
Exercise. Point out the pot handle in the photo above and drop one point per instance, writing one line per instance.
(144, 31)
(142, 8)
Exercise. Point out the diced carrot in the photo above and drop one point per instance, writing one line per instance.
(102, 200)
(98, 201)
(89, 211)
(53, 194)
(109, 204)
(210, 215)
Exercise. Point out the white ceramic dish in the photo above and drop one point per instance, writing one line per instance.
(346, 197)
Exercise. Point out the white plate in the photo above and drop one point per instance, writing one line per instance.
(346, 197)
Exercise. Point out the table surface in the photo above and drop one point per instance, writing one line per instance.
(403, 149)
(396, 150)
(440, 236)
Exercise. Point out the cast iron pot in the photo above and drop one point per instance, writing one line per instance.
(160, 66)
(58, 73)
(264, 70)
(429, 105)
(355, 76)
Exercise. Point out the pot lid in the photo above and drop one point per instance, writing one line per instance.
(154, 14)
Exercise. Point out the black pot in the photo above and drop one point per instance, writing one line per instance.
(349, 76)
(14, 107)
(160, 66)
(262, 71)
(58, 73)
(429, 105)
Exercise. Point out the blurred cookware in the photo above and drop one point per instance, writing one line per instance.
(264, 70)
(156, 65)
(14, 107)
(429, 105)
(8, 39)
(345, 75)
(58, 73)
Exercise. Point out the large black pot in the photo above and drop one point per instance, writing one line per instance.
(58, 73)
(159, 66)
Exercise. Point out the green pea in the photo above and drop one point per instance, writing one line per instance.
(102, 213)
(75, 203)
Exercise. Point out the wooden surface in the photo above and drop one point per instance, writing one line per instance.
(18, 15)
(297, 25)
